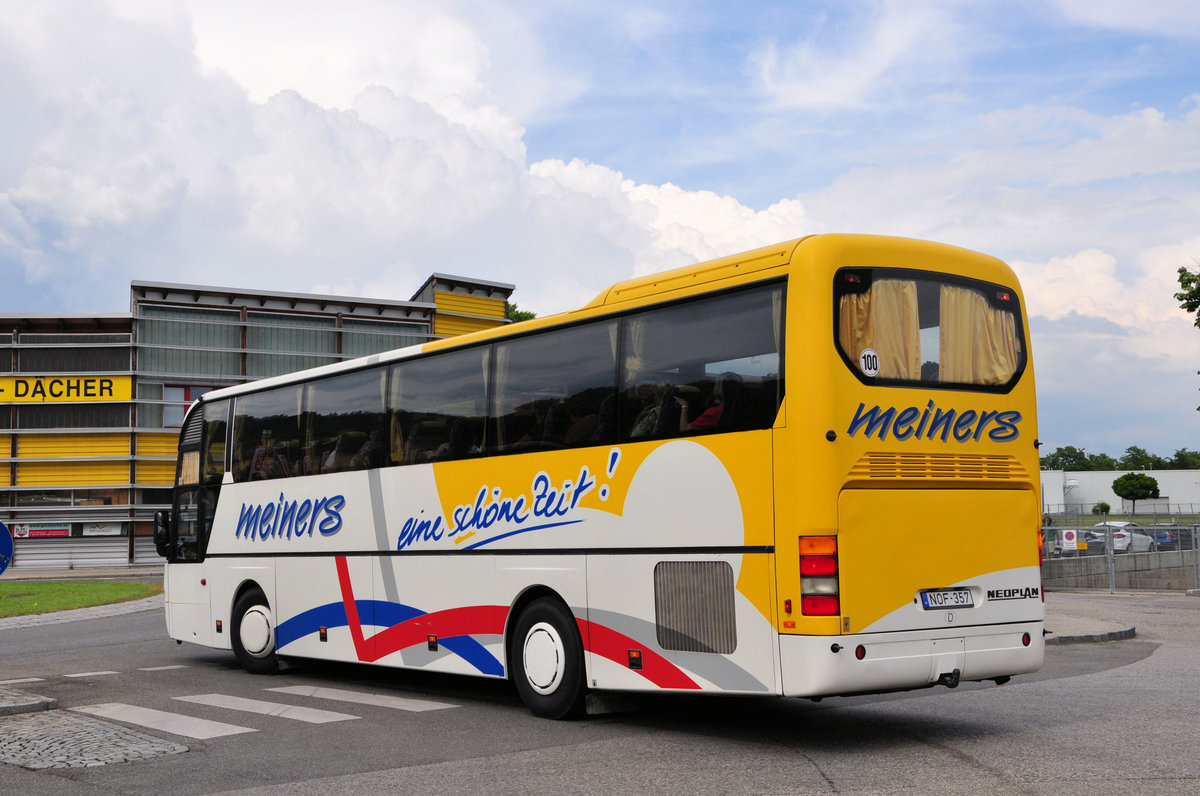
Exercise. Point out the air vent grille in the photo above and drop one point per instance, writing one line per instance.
(938, 467)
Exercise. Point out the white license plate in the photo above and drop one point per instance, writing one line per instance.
(933, 599)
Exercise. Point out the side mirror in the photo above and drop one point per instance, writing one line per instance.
(162, 542)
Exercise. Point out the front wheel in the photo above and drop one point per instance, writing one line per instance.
(253, 633)
(546, 658)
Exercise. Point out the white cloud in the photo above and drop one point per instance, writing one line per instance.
(1168, 17)
(854, 62)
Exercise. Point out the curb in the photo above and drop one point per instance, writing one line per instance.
(13, 702)
(1093, 638)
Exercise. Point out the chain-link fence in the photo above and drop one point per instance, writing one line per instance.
(1122, 554)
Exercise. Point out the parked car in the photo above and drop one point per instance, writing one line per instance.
(1172, 536)
(1128, 537)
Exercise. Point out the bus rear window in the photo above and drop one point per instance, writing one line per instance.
(918, 328)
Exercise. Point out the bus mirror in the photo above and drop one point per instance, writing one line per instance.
(161, 542)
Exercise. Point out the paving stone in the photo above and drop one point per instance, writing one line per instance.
(58, 739)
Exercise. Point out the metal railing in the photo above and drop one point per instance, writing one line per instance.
(1163, 556)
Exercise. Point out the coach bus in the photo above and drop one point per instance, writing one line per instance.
(806, 470)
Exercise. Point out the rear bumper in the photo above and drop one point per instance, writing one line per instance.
(902, 660)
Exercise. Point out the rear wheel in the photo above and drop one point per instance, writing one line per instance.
(253, 633)
(547, 660)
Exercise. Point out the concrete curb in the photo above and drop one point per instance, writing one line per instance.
(1093, 638)
(13, 702)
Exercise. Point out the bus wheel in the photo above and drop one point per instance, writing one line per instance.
(253, 633)
(547, 660)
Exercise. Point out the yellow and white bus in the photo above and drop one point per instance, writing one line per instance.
(806, 470)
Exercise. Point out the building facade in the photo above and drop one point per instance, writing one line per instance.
(91, 405)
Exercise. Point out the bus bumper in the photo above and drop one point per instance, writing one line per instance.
(830, 665)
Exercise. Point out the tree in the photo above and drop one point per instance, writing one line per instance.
(515, 315)
(1189, 295)
(1136, 458)
(1185, 459)
(1134, 487)
(1102, 461)
(1101, 508)
(1067, 457)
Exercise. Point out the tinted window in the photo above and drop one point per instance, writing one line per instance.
(438, 407)
(267, 434)
(707, 365)
(346, 423)
(556, 389)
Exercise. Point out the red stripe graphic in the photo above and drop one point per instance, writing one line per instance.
(467, 621)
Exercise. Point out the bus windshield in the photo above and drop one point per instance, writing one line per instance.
(926, 329)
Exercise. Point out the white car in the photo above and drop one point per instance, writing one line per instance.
(1127, 536)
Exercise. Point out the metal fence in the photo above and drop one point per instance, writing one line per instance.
(1122, 555)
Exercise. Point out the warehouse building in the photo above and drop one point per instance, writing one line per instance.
(91, 405)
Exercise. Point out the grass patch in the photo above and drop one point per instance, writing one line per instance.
(21, 598)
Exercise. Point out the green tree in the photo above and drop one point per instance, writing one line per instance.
(1189, 295)
(1067, 457)
(1101, 461)
(515, 315)
(1101, 508)
(1134, 487)
(1136, 458)
(1185, 459)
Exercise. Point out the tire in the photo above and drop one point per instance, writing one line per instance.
(546, 656)
(252, 632)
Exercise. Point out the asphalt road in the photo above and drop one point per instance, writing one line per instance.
(1118, 717)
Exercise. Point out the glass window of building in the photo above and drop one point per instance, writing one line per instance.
(186, 340)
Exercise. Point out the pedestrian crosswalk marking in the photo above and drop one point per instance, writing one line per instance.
(174, 723)
(362, 698)
(310, 715)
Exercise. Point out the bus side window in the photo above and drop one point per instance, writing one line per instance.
(266, 434)
(346, 425)
(438, 405)
(556, 389)
(703, 366)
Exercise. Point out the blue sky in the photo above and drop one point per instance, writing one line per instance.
(354, 148)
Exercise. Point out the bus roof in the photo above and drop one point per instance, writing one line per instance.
(676, 283)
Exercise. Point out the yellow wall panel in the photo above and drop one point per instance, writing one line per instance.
(156, 473)
(72, 473)
(469, 305)
(37, 446)
(158, 444)
(452, 324)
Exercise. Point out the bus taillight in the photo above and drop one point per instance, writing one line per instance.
(819, 576)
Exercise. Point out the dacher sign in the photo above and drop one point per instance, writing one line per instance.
(46, 389)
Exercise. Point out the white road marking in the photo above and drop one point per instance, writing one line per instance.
(162, 668)
(362, 698)
(310, 715)
(174, 723)
(20, 680)
(89, 674)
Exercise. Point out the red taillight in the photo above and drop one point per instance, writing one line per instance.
(819, 605)
(818, 565)
(819, 576)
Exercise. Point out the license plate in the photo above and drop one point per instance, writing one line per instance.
(933, 599)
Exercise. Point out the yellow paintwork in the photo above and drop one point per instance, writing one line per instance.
(469, 305)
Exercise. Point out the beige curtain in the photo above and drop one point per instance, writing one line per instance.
(635, 359)
(978, 343)
(884, 319)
